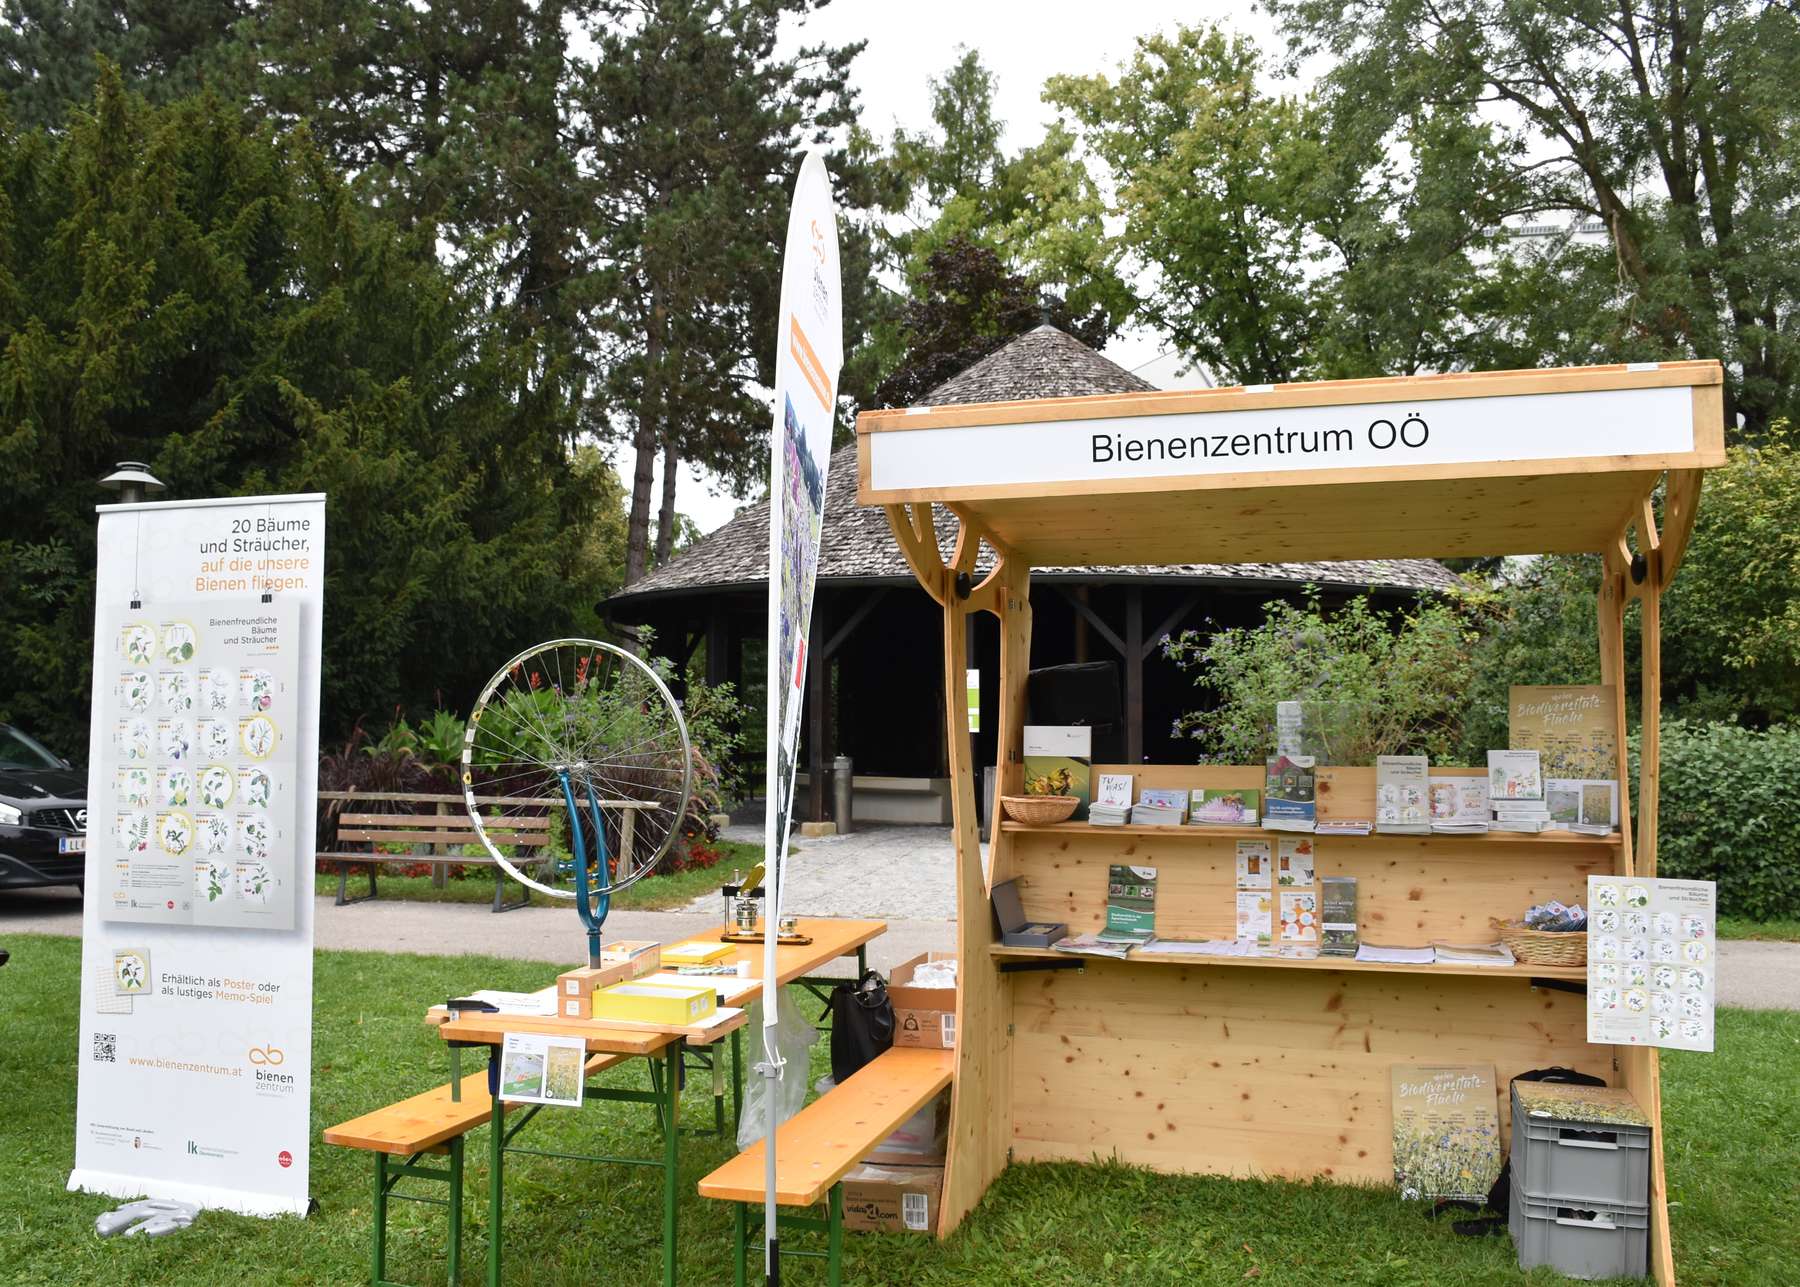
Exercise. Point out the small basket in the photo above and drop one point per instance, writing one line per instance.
(1039, 810)
(1545, 947)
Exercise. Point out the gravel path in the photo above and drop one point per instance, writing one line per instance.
(891, 873)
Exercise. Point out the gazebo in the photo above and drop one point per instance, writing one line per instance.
(875, 679)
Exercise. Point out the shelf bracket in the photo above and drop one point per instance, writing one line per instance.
(1019, 967)
(1561, 985)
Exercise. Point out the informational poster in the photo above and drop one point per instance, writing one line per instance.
(1653, 962)
(196, 823)
(537, 1069)
(194, 1069)
(1446, 1131)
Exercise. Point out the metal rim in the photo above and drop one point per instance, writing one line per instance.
(494, 685)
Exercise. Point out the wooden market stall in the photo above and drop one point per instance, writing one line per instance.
(1261, 1065)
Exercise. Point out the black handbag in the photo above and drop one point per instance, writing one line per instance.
(862, 1024)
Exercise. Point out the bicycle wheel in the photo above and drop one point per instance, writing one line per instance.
(577, 753)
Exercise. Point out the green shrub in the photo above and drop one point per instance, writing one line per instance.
(1729, 813)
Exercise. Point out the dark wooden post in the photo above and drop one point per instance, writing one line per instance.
(718, 667)
(818, 696)
(1134, 675)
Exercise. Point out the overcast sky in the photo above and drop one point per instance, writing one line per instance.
(1022, 44)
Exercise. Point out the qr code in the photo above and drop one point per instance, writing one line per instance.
(106, 1047)
(913, 1210)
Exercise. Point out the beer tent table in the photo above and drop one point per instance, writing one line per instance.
(1260, 1066)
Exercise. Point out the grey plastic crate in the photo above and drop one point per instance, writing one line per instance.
(1591, 1241)
(1581, 1161)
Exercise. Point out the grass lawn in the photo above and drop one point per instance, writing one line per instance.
(1783, 931)
(1732, 1119)
(652, 894)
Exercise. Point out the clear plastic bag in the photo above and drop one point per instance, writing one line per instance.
(794, 1037)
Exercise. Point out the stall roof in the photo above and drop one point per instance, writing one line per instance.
(1487, 463)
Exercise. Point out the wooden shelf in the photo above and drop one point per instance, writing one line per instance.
(1201, 833)
(1346, 964)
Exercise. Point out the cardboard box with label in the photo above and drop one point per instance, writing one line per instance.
(893, 1199)
(924, 1017)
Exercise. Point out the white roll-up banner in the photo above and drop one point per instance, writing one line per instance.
(197, 927)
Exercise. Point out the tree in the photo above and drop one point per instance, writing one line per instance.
(1276, 240)
(181, 287)
(50, 50)
(695, 124)
(1731, 618)
(1671, 124)
(989, 245)
(965, 305)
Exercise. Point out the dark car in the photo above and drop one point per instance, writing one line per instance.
(43, 815)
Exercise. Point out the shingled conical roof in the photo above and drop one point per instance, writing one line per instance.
(1045, 363)
(858, 547)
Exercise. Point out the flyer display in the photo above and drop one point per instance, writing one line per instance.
(1653, 962)
(196, 817)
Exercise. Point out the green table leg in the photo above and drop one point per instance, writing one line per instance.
(378, 1258)
(737, 1079)
(671, 1141)
(496, 1181)
(834, 1237)
(862, 960)
(456, 1200)
(743, 1238)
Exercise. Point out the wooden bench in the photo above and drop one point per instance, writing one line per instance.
(443, 833)
(819, 1145)
(433, 1122)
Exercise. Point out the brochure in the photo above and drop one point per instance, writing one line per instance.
(1130, 904)
(1514, 775)
(1294, 861)
(1582, 804)
(1254, 864)
(1652, 962)
(1255, 917)
(1446, 1132)
(1231, 808)
(540, 1069)
(1059, 761)
(1093, 945)
(1289, 793)
(1459, 803)
(1337, 915)
(1166, 798)
(1114, 789)
(1402, 785)
(1299, 922)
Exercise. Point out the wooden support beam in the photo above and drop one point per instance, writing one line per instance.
(921, 554)
(1134, 674)
(1609, 613)
(718, 644)
(1094, 620)
(818, 701)
(1681, 504)
(855, 619)
(1175, 618)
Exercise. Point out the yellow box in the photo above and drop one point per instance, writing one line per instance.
(701, 953)
(674, 1004)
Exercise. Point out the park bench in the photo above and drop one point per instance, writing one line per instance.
(430, 1123)
(819, 1145)
(442, 832)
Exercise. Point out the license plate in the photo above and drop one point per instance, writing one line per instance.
(71, 845)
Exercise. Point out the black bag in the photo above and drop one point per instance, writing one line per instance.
(862, 1024)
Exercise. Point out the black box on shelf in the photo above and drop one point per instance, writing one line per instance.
(1015, 930)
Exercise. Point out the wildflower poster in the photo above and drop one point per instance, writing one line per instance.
(1446, 1131)
(1571, 726)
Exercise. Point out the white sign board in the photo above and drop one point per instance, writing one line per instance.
(1653, 962)
(196, 983)
(1443, 431)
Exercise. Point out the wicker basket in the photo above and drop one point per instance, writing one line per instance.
(1039, 810)
(1545, 947)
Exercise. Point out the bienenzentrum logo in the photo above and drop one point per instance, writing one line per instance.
(272, 1056)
